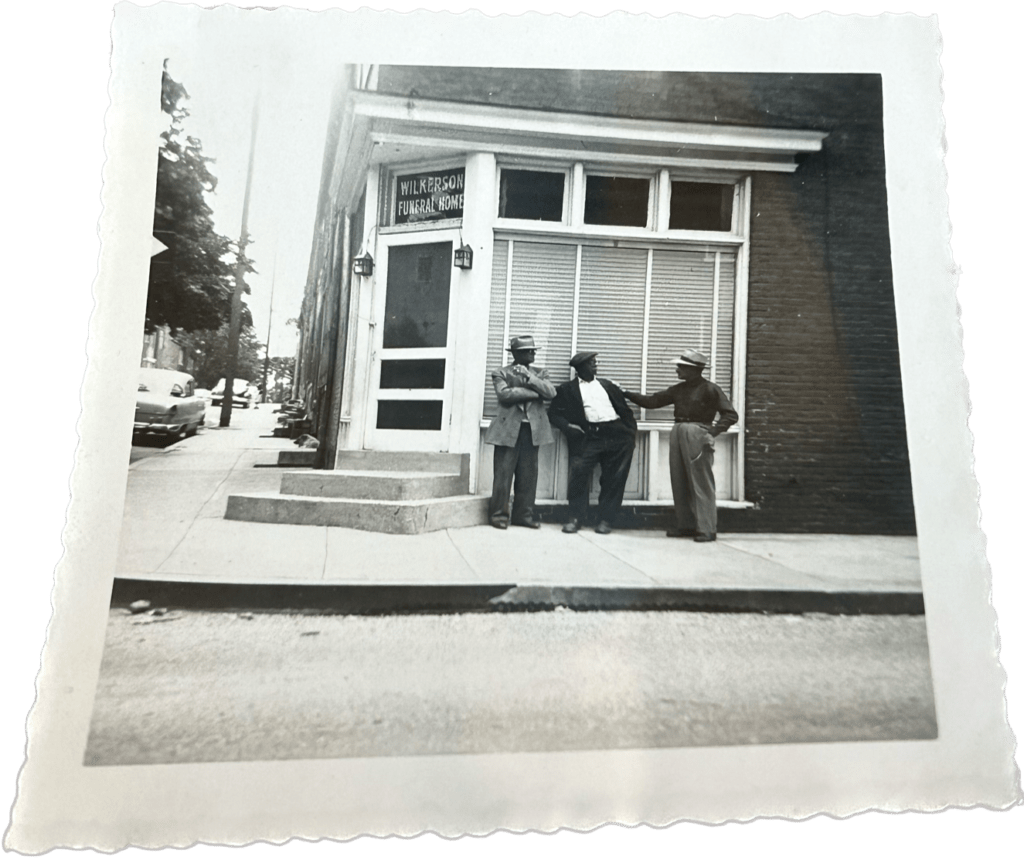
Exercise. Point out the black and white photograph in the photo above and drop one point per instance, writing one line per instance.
(496, 421)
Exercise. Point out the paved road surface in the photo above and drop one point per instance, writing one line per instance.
(222, 687)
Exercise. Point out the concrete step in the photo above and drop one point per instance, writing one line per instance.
(297, 457)
(409, 516)
(403, 461)
(374, 484)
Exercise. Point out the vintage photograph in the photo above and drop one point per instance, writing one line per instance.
(586, 430)
(540, 433)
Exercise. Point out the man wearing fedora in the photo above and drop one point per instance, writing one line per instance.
(692, 441)
(600, 428)
(520, 426)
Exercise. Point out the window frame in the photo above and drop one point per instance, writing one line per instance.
(606, 173)
(659, 202)
(540, 167)
(389, 177)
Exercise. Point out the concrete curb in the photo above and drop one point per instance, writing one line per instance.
(447, 599)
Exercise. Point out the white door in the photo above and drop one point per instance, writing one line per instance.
(412, 369)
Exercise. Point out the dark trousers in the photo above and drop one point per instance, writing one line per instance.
(520, 463)
(691, 460)
(611, 445)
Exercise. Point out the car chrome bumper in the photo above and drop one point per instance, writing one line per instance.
(147, 427)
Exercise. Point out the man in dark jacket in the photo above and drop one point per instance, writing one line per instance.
(600, 428)
(692, 441)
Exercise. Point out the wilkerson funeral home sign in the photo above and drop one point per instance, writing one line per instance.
(435, 195)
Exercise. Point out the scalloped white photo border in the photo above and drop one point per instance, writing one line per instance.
(62, 803)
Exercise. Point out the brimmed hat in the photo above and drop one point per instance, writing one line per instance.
(580, 358)
(690, 357)
(522, 342)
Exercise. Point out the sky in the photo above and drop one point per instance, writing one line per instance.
(293, 89)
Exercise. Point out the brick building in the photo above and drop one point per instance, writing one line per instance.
(633, 213)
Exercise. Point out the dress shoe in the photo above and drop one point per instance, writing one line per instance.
(527, 524)
(498, 524)
(571, 527)
(704, 538)
(603, 528)
(678, 533)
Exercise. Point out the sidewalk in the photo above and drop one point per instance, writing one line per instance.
(175, 531)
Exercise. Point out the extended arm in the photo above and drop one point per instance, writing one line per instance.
(650, 401)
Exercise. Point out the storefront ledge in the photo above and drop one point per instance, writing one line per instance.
(656, 515)
(657, 503)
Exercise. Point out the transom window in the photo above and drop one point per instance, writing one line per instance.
(532, 195)
(582, 197)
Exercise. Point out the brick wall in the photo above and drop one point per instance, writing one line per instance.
(826, 443)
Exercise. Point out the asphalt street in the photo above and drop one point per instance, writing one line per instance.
(192, 686)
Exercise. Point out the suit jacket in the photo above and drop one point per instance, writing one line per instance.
(567, 408)
(519, 401)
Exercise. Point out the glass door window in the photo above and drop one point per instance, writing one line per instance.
(410, 393)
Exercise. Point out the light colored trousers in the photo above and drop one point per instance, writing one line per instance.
(691, 457)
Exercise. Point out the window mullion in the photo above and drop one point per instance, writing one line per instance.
(664, 207)
(647, 328)
(714, 315)
(577, 192)
(576, 301)
(508, 298)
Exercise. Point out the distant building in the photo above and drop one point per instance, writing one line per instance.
(632, 213)
(160, 350)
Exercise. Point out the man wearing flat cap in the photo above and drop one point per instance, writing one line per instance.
(520, 426)
(600, 428)
(696, 402)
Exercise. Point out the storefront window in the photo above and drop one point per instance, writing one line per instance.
(687, 297)
(701, 206)
(531, 195)
(617, 201)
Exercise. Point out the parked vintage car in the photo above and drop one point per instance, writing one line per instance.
(167, 404)
(243, 393)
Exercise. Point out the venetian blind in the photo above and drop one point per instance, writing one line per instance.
(613, 283)
(682, 313)
(613, 286)
(543, 283)
(726, 321)
(496, 324)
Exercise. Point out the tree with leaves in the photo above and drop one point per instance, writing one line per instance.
(209, 352)
(190, 283)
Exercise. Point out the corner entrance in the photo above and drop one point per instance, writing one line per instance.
(412, 367)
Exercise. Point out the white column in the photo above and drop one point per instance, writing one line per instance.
(362, 312)
(471, 291)
(653, 463)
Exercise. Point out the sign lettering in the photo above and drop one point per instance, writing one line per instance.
(434, 196)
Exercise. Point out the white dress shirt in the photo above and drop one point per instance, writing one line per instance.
(596, 405)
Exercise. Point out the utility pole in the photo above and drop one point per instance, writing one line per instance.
(235, 327)
(270, 319)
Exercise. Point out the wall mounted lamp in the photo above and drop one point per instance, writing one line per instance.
(464, 257)
(363, 265)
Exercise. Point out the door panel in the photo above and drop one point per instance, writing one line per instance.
(412, 369)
